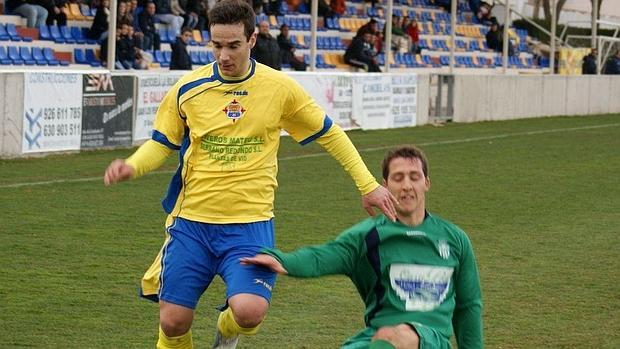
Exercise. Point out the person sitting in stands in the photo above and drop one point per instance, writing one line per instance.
(180, 57)
(287, 50)
(359, 54)
(266, 49)
(35, 15)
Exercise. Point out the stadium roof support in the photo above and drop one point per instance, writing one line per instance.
(506, 39)
(112, 35)
(387, 45)
(594, 24)
(453, 12)
(554, 21)
(314, 13)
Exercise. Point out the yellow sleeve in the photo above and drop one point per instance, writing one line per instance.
(339, 146)
(304, 120)
(148, 157)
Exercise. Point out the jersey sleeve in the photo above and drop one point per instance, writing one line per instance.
(169, 126)
(303, 119)
(467, 319)
(338, 256)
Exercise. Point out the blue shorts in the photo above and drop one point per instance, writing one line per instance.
(196, 252)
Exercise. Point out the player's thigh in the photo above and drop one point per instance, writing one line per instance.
(429, 338)
(187, 266)
(246, 241)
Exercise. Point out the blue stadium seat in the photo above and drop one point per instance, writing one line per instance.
(203, 57)
(77, 34)
(206, 37)
(12, 32)
(92, 58)
(49, 56)
(4, 58)
(211, 56)
(4, 36)
(195, 57)
(66, 34)
(163, 35)
(14, 56)
(172, 36)
(56, 35)
(44, 33)
(168, 56)
(24, 53)
(79, 57)
(37, 55)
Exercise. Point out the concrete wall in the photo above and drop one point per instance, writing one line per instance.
(11, 120)
(499, 97)
(423, 104)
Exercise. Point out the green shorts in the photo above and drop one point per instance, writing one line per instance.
(429, 338)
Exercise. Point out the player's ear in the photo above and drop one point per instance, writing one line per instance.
(384, 182)
(252, 40)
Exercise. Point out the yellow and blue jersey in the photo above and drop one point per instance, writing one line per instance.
(228, 133)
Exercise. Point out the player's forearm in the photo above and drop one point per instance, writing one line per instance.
(339, 146)
(468, 326)
(151, 155)
(309, 262)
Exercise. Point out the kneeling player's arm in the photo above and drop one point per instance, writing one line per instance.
(148, 157)
(339, 146)
(334, 257)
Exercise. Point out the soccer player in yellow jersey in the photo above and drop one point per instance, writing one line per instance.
(225, 120)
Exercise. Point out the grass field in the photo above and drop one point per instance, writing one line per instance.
(539, 198)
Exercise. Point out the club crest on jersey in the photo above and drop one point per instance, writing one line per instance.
(234, 110)
(444, 249)
(421, 287)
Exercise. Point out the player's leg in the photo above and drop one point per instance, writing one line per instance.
(395, 337)
(413, 335)
(185, 273)
(248, 288)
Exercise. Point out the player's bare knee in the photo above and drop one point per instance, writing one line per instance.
(248, 310)
(174, 327)
(385, 333)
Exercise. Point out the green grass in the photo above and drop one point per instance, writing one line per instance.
(542, 210)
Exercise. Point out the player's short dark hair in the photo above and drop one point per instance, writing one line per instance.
(407, 152)
(233, 12)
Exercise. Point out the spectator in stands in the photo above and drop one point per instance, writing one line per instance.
(146, 21)
(495, 38)
(411, 28)
(125, 48)
(588, 66)
(369, 27)
(445, 4)
(482, 12)
(35, 15)
(180, 57)
(612, 66)
(99, 28)
(287, 50)
(324, 9)
(164, 14)
(359, 54)
(270, 7)
(55, 11)
(400, 41)
(266, 49)
(338, 7)
(191, 9)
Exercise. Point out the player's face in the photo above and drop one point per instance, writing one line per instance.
(232, 48)
(408, 184)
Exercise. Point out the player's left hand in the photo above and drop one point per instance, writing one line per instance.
(382, 199)
(266, 261)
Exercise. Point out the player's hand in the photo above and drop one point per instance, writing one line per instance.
(382, 199)
(266, 261)
(117, 171)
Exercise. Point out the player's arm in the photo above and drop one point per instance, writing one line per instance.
(335, 257)
(467, 318)
(167, 136)
(307, 122)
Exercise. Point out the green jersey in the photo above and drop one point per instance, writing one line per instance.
(423, 274)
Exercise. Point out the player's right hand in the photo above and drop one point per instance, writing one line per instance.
(266, 261)
(117, 171)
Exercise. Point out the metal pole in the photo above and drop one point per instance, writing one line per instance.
(112, 35)
(387, 46)
(506, 38)
(453, 34)
(594, 24)
(554, 20)
(314, 12)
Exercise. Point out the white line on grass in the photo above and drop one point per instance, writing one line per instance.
(364, 150)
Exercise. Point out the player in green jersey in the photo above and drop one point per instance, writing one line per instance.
(417, 276)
